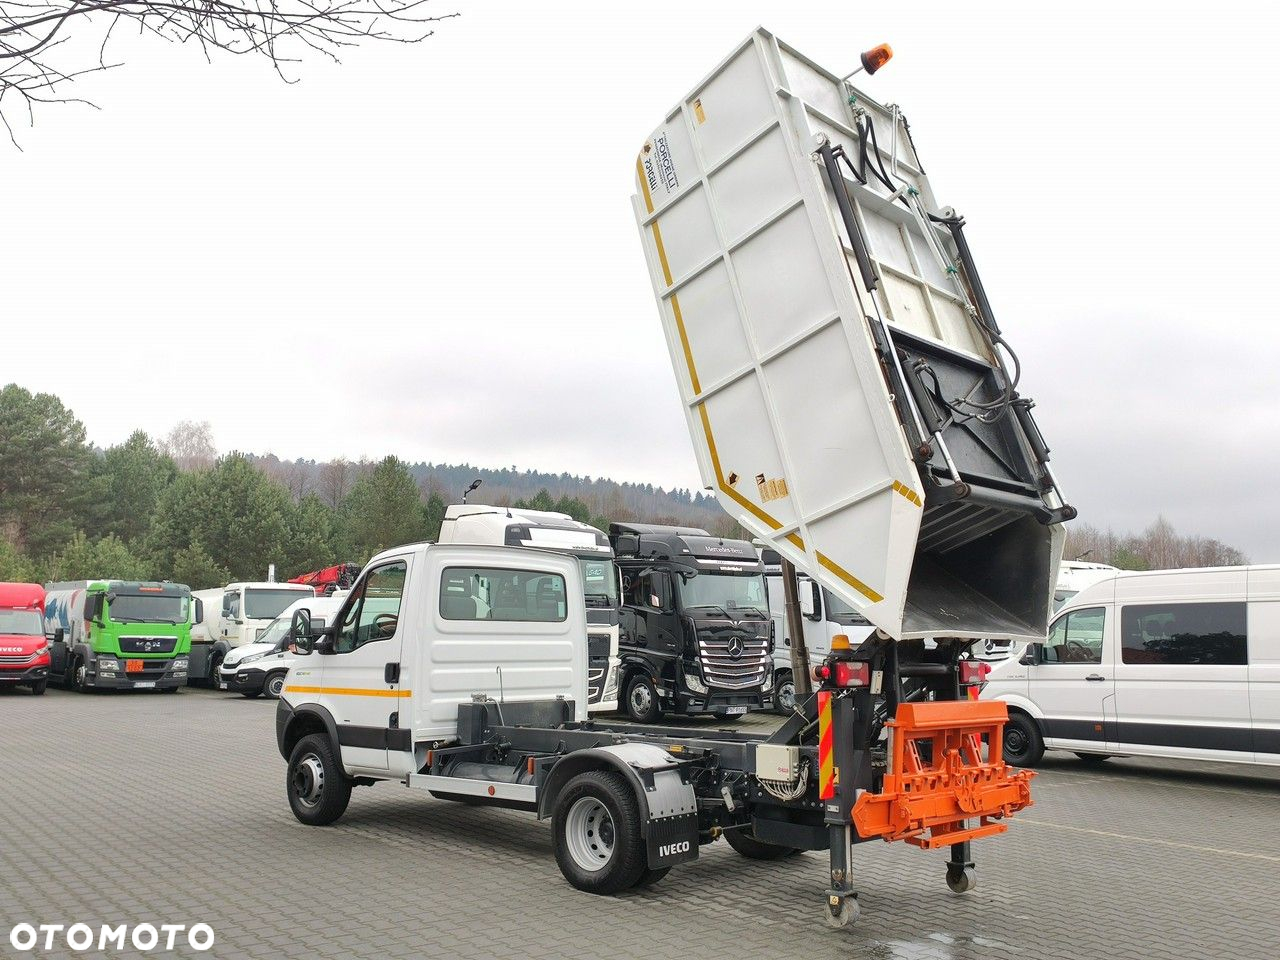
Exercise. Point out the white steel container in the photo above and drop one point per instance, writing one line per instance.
(816, 349)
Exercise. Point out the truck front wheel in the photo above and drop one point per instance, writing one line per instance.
(596, 824)
(38, 688)
(319, 789)
(643, 705)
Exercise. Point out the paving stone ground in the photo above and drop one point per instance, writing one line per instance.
(170, 809)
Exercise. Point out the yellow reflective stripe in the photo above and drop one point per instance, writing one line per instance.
(684, 342)
(907, 492)
(848, 578)
(644, 185)
(349, 691)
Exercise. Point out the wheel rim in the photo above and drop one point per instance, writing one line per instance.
(787, 695)
(590, 834)
(274, 686)
(80, 673)
(1015, 742)
(308, 780)
(641, 698)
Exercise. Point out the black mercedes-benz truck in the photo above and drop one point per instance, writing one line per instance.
(696, 632)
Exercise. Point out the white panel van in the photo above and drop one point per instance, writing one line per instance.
(1167, 663)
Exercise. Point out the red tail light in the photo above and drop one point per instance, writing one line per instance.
(852, 673)
(973, 672)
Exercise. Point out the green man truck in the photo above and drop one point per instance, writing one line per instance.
(118, 634)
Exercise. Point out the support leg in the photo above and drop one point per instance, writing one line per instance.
(842, 903)
(962, 876)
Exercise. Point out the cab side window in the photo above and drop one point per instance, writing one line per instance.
(373, 612)
(1076, 637)
(649, 589)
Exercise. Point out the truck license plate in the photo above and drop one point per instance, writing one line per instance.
(222, 684)
(134, 666)
(736, 711)
(144, 684)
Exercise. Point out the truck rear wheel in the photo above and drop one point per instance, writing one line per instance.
(596, 825)
(319, 790)
(748, 846)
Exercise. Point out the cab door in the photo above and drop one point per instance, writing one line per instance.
(1073, 682)
(361, 676)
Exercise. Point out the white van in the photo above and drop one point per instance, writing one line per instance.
(1167, 663)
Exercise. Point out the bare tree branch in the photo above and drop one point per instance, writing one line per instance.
(283, 31)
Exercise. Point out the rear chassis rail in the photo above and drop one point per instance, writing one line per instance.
(905, 757)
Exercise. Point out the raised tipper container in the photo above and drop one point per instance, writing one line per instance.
(850, 396)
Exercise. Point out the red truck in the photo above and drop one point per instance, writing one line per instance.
(24, 650)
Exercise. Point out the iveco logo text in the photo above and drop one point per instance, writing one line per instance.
(673, 848)
(80, 937)
(10, 649)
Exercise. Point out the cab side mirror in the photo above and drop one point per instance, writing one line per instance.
(59, 635)
(1032, 655)
(198, 615)
(810, 603)
(300, 626)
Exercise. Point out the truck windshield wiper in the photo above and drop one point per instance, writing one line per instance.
(756, 610)
(711, 606)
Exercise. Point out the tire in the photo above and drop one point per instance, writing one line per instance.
(215, 664)
(38, 688)
(319, 790)
(251, 694)
(642, 704)
(728, 717)
(651, 876)
(1093, 759)
(784, 693)
(596, 825)
(170, 689)
(76, 676)
(274, 685)
(1023, 745)
(748, 846)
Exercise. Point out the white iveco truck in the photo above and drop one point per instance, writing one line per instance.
(517, 527)
(849, 404)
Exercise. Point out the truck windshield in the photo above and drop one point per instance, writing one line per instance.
(263, 604)
(599, 584)
(21, 623)
(840, 612)
(735, 595)
(147, 608)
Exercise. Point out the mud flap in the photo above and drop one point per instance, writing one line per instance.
(672, 830)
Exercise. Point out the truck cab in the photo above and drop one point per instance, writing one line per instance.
(234, 615)
(696, 633)
(119, 634)
(24, 650)
(546, 530)
(825, 616)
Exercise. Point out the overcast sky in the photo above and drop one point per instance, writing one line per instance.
(429, 250)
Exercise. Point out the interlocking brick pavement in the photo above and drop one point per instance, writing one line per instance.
(170, 809)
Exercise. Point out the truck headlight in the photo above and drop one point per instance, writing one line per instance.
(180, 663)
(694, 683)
(768, 681)
(108, 664)
(250, 658)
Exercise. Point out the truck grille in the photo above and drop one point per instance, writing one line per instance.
(147, 644)
(597, 645)
(19, 658)
(721, 669)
